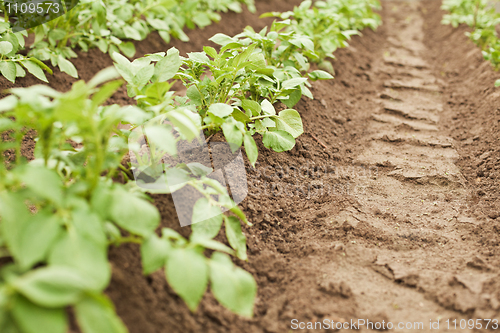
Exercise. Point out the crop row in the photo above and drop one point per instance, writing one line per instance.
(61, 211)
(482, 17)
(105, 24)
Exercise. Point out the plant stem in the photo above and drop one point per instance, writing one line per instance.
(130, 239)
(262, 117)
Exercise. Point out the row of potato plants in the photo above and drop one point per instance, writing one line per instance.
(482, 17)
(62, 211)
(110, 25)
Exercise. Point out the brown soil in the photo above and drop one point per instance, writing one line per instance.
(397, 220)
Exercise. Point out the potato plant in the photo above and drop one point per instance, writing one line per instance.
(61, 212)
(12, 63)
(232, 89)
(108, 25)
(330, 24)
(481, 16)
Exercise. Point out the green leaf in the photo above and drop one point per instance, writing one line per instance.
(8, 103)
(102, 45)
(158, 24)
(267, 122)
(52, 286)
(15, 218)
(279, 141)
(201, 19)
(8, 70)
(56, 34)
(154, 252)
(207, 219)
(183, 120)
(66, 66)
(176, 178)
(4, 26)
(210, 51)
(292, 83)
(12, 39)
(497, 83)
(198, 169)
(89, 224)
(84, 255)
(289, 121)
(251, 148)
(5, 47)
(105, 92)
(232, 286)
(133, 214)
(240, 116)
(32, 318)
(105, 75)
(157, 90)
(167, 67)
(125, 72)
(251, 106)
(238, 212)
(221, 39)
(199, 57)
(131, 33)
(127, 48)
(258, 61)
(194, 95)
(327, 65)
(187, 274)
(235, 236)
(293, 98)
(34, 69)
(96, 314)
(320, 75)
(162, 138)
(307, 43)
(120, 59)
(210, 244)
(44, 183)
(20, 72)
(37, 237)
(165, 35)
(233, 135)
(220, 110)
(143, 76)
(133, 115)
(267, 108)
(101, 200)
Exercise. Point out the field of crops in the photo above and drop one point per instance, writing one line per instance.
(241, 166)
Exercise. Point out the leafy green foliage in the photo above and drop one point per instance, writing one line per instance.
(330, 24)
(60, 212)
(108, 25)
(233, 90)
(231, 285)
(12, 63)
(481, 16)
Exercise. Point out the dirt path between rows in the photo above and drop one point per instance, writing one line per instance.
(418, 196)
(406, 257)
